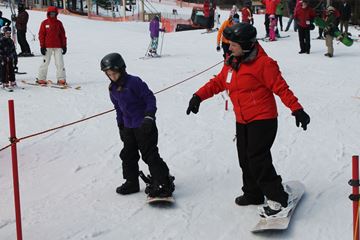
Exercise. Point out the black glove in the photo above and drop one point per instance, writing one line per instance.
(194, 104)
(148, 123)
(301, 117)
(64, 49)
(43, 51)
(218, 48)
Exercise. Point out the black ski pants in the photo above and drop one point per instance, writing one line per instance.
(7, 73)
(254, 141)
(135, 140)
(304, 39)
(24, 45)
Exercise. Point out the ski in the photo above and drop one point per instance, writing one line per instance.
(151, 57)
(50, 84)
(211, 31)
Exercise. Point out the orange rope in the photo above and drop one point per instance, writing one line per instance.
(13, 141)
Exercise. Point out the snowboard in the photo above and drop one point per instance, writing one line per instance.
(160, 200)
(343, 38)
(296, 190)
(267, 39)
(51, 85)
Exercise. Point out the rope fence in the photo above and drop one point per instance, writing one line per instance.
(16, 140)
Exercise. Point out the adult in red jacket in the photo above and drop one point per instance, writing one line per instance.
(251, 78)
(304, 16)
(270, 10)
(52, 42)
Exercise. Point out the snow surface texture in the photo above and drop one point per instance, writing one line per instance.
(68, 177)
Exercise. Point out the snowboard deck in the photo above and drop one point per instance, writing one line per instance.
(281, 223)
(267, 39)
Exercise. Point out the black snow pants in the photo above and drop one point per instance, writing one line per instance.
(24, 45)
(135, 140)
(254, 141)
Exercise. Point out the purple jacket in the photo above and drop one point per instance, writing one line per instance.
(133, 101)
(154, 28)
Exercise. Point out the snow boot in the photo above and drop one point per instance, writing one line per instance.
(41, 82)
(128, 187)
(61, 82)
(245, 200)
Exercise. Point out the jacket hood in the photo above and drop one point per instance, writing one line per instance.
(52, 9)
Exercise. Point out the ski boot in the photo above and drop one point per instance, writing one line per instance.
(61, 82)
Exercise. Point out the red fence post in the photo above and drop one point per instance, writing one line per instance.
(15, 169)
(354, 182)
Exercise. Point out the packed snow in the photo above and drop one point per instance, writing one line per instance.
(68, 177)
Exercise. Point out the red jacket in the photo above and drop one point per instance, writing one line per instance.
(52, 32)
(245, 15)
(270, 6)
(304, 16)
(252, 89)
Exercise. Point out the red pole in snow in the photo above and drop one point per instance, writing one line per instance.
(354, 182)
(15, 169)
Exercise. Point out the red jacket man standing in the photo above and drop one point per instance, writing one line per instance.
(304, 16)
(251, 79)
(52, 41)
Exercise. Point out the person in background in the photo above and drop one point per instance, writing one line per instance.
(320, 9)
(53, 41)
(8, 59)
(220, 37)
(304, 15)
(4, 21)
(291, 10)
(345, 15)
(154, 28)
(279, 13)
(271, 6)
(21, 28)
(246, 15)
(331, 22)
(252, 78)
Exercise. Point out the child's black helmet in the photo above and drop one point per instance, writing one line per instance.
(242, 33)
(112, 61)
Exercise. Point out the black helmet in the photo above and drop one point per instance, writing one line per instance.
(242, 33)
(112, 61)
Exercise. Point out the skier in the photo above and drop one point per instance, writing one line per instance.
(21, 27)
(304, 16)
(224, 42)
(252, 78)
(8, 59)
(135, 106)
(154, 29)
(331, 21)
(4, 21)
(52, 42)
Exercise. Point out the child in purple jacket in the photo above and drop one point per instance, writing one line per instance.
(135, 106)
(154, 28)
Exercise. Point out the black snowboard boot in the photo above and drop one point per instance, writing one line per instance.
(128, 187)
(163, 188)
(245, 200)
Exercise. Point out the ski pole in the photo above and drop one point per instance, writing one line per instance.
(162, 41)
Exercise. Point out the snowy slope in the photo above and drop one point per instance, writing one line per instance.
(68, 177)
